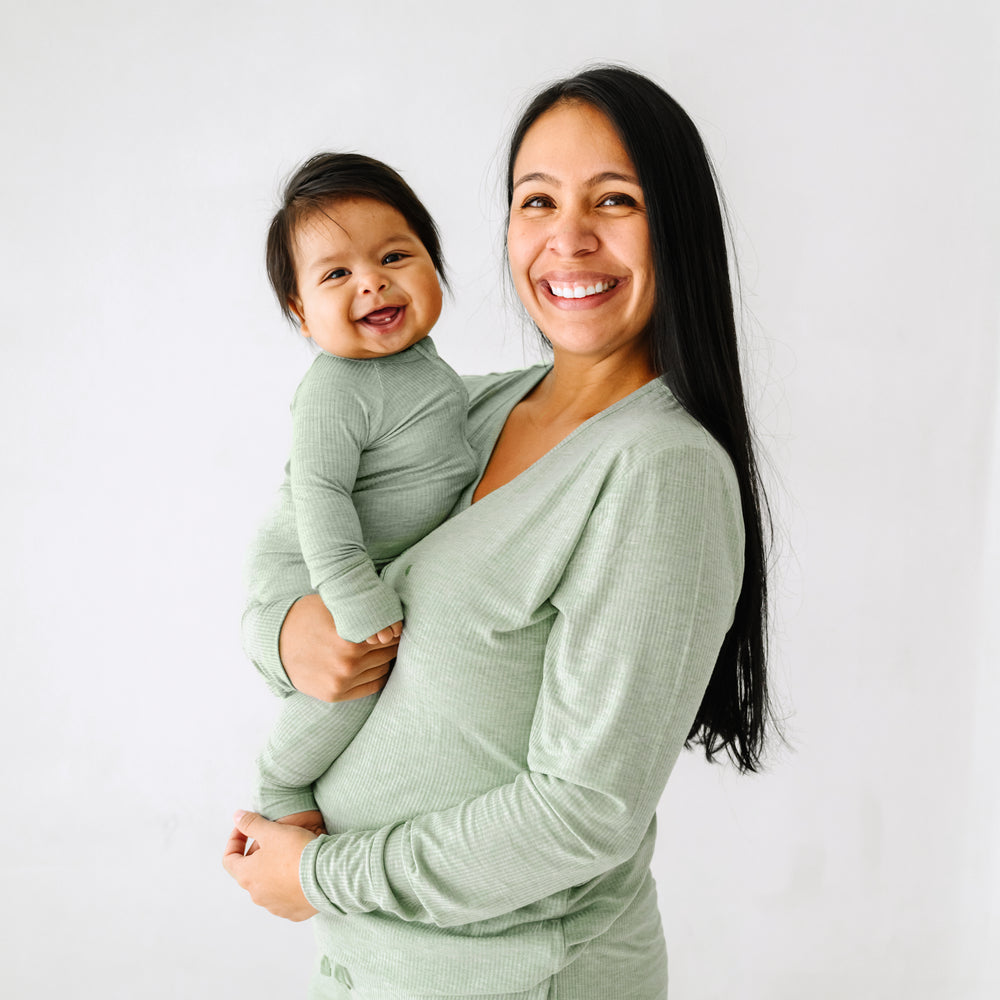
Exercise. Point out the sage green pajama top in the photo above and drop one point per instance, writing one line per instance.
(494, 814)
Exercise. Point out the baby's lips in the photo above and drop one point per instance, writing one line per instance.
(384, 315)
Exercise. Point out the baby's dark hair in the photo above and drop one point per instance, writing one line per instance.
(327, 178)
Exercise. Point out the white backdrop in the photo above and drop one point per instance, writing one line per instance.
(145, 377)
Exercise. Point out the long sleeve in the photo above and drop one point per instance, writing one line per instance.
(307, 737)
(260, 628)
(641, 612)
(334, 419)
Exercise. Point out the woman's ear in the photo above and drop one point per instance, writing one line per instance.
(299, 312)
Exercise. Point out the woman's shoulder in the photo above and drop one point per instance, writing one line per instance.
(502, 386)
(652, 420)
(650, 433)
(492, 397)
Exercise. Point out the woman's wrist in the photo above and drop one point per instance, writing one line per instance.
(307, 876)
(322, 665)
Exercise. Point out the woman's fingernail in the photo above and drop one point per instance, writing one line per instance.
(238, 815)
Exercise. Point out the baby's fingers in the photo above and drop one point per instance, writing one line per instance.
(386, 635)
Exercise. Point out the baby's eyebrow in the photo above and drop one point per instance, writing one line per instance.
(401, 237)
(323, 261)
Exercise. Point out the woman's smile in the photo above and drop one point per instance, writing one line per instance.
(581, 291)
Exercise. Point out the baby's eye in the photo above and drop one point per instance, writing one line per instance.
(337, 272)
(395, 257)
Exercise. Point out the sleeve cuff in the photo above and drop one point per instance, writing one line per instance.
(275, 803)
(359, 873)
(361, 604)
(261, 629)
(308, 880)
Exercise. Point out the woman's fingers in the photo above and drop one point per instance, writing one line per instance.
(372, 678)
(234, 852)
(270, 873)
(240, 845)
(321, 664)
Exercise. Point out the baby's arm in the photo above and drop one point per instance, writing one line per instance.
(336, 414)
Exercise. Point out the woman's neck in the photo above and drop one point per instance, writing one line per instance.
(577, 388)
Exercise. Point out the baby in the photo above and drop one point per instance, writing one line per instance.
(379, 455)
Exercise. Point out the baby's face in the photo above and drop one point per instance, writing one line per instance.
(366, 285)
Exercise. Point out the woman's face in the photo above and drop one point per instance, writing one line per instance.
(578, 240)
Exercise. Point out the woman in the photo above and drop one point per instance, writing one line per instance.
(596, 603)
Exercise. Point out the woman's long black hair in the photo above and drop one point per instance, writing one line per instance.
(694, 347)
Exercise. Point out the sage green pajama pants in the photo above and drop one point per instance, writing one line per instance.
(621, 964)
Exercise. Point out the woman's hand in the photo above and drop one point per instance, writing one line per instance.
(269, 870)
(321, 664)
(312, 820)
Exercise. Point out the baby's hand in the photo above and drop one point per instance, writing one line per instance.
(386, 635)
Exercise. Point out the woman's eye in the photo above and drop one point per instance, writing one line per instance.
(537, 201)
(615, 200)
(395, 257)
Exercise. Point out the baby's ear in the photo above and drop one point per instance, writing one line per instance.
(299, 313)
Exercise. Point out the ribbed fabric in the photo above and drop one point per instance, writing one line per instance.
(379, 457)
(495, 813)
(627, 962)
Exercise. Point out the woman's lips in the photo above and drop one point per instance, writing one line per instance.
(580, 292)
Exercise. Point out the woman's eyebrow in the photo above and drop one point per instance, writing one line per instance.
(537, 175)
(601, 178)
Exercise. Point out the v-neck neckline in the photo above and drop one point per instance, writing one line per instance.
(468, 502)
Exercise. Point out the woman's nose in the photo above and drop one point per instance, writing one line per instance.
(572, 235)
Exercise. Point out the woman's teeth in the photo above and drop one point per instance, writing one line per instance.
(580, 291)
